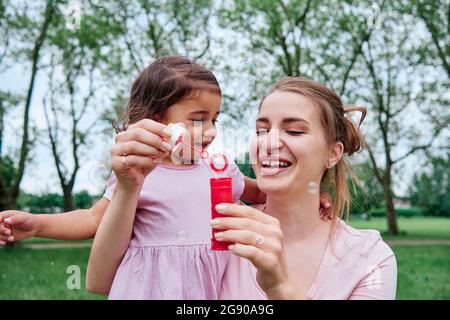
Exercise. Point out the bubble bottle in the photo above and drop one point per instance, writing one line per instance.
(221, 187)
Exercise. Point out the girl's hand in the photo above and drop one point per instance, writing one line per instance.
(325, 207)
(138, 150)
(17, 225)
(258, 238)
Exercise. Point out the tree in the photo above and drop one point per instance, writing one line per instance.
(435, 15)
(21, 21)
(77, 53)
(399, 90)
(366, 193)
(431, 188)
(298, 38)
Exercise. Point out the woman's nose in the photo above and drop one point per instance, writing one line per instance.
(273, 141)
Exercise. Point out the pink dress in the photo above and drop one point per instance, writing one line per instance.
(169, 256)
(357, 264)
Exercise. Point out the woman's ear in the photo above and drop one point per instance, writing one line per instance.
(335, 155)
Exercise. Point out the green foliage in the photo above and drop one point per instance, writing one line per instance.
(431, 189)
(400, 212)
(7, 170)
(246, 168)
(52, 202)
(366, 193)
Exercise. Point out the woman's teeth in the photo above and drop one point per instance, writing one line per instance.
(273, 167)
(275, 164)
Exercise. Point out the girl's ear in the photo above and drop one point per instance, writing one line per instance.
(159, 118)
(335, 155)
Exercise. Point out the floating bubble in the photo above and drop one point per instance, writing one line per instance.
(182, 235)
(313, 187)
(98, 174)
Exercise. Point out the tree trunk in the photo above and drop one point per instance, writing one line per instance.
(34, 67)
(69, 204)
(390, 208)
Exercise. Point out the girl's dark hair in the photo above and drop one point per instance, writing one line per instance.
(163, 83)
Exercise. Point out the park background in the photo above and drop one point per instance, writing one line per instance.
(66, 68)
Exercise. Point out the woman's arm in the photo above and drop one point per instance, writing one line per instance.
(112, 240)
(73, 225)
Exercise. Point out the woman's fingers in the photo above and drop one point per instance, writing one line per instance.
(260, 259)
(250, 238)
(231, 223)
(236, 210)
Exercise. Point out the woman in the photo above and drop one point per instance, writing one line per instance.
(303, 137)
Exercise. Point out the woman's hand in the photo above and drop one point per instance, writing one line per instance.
(138, 150)
(257, 237)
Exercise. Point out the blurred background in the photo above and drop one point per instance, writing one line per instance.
(66, 68)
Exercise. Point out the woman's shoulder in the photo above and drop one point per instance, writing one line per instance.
(361, 242)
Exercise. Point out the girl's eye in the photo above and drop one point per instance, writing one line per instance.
(295, 133)
(215, 121)
(261, 131)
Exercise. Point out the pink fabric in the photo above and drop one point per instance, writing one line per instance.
(357, 264)
(169, 256)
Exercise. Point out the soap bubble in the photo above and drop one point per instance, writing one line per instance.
(313, 187)
(98, 174)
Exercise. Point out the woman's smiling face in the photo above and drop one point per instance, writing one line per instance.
(290, 149)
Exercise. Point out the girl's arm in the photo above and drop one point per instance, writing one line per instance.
(73, 225)
(251, 192)
(137, 151)
(112, 240)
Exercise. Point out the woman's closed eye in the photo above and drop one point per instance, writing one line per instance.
(295, 132)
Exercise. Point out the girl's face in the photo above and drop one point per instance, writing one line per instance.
(199, 115)
(290, 150)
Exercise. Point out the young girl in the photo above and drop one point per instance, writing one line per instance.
(154, 239)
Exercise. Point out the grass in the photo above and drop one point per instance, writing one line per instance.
(423, 271)
(429, 228)
(41, 274)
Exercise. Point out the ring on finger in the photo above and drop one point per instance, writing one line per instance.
(259, 239)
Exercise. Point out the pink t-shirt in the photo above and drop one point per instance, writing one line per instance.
(357, 264)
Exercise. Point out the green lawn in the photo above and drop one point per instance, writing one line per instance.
(410, 228)
(41, 274)
(423, 272)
